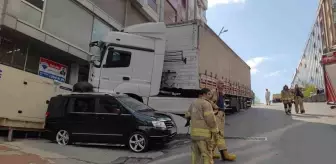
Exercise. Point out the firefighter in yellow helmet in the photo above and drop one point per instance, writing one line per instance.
(219, 140)
(298, 98)
(287, 99)
(203, 128)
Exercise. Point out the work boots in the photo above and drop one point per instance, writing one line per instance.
(288, 111)
(216, 156)
(226, 156)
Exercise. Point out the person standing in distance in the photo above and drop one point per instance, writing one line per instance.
(267, 96)
(203, 128)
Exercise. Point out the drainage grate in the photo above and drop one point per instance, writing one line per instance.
(247, 138)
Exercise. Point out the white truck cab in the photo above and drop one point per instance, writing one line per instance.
(131, 61)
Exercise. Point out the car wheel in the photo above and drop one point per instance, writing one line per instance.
(138, 142)
(63, 137)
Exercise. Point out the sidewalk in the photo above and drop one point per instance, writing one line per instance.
(15, 156)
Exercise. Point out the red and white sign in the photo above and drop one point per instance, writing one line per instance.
(52, 70)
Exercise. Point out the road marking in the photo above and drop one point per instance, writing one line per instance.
(165, 160)
(247, 138)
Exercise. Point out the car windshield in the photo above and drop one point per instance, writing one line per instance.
(134, 104)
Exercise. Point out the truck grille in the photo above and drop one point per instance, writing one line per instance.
(169, 124)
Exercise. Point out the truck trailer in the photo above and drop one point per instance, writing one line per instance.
(165, 65)
(329, 71)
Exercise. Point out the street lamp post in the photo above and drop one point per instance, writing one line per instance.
(222, 31)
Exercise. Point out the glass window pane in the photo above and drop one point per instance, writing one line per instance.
(6, 51)
(36, 3)
(30, 15)
(19, 57)
(99, 32)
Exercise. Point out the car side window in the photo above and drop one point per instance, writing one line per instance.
(109, 105)
(84, 105)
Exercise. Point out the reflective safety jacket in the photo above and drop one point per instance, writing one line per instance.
(203, 121)
(220, 117)
(286, 96)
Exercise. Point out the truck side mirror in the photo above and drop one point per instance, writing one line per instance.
(94, 58)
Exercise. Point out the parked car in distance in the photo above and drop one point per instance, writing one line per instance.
(107, 118)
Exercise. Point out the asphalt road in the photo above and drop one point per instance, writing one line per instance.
(301, 138)
(260, 135)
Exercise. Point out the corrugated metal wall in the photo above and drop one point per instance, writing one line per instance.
(217, 58)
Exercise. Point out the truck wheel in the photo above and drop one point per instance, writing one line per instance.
(238, 106)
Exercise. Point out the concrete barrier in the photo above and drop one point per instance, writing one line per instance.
(316, 98)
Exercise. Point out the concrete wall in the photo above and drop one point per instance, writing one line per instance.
(74, 24)
(134, 16)
(114, 8)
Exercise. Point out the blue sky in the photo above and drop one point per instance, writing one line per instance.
(270, 35)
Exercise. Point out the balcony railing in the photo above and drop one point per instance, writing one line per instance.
(152, 4)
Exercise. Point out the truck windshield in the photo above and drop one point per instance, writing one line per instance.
(134, 104)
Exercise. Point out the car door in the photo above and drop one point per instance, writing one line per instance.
(116, 69)
(82, 118)
(109, 120)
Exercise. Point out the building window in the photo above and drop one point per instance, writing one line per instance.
(13, 52)
(314, 45)
(315, 57)
(37, 3)
(99, 32)
(170, 13)
(184, 3)
(30, 13)
(317, 70)
(117, 58)
(152, 4)
(305, 65)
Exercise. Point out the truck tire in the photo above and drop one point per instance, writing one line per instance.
(238, 106)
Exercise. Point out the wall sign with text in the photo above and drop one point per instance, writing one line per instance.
(52, 70)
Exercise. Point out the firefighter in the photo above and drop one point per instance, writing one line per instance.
(298, 99)
(203, 128)
(287, 98)
(219, 140)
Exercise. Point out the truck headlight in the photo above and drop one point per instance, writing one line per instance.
(159, 124)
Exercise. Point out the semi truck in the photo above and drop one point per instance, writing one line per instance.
(165, 65)
(161, 66)
(329, 71)
(276, 98)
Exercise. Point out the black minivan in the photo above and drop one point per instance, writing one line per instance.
(107, 118)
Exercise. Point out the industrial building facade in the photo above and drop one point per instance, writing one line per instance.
(321, 40)
(58, 32)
